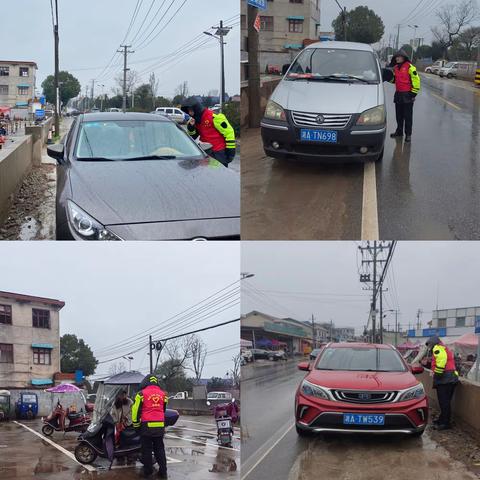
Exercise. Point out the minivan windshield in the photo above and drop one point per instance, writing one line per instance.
(449, 65)
(361, 359)
(133, 140)
(333, 64)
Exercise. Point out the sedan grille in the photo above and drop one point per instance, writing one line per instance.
(326, 120)
(356, 396)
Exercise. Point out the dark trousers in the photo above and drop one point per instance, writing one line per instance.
(444, 396)
(154, 445)
(404, 114)
(222, 157)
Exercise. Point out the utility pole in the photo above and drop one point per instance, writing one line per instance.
(92, 92)
(331, 329)
(343, 13)
(419, 312)
(150, 350)
(398, 38)
(396, 327)
(125, 52)
(254, 99)
(313, 332)
(57, 92)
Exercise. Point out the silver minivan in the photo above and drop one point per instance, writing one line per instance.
(329, 106)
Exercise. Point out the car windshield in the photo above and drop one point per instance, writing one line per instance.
(134, 139)
(4, 400)
(449, 65)
(327, 64)
(29, 398)
(361, 359)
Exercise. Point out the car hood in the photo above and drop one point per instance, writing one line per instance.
(362, 380)
(327, 97)
(130, 192)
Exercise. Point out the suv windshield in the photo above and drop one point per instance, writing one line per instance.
(361, 359)
(133, 139)
(325, 63)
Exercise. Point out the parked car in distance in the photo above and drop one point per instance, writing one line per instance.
(114, 109)
(172, 113)
(179, 396)
(453, 69)
(329, 106)
(435, 67)
(246, 355)
(140, 176)
(363, 388)
(314, 353)
(277, 355)
(260, 354)
(219, 396)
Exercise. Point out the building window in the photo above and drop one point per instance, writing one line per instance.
(42, 356)
(266, 23)
(442, 323)
(22, 90)
(295, 26)
(40, 318)
(4, 71)
(3, 89)
(24, 71)
(460, 322)
(6, 353)
(6, 314)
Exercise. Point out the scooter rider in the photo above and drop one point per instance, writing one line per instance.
(213, 128)
(407, 85)
(445, 379)
(148, 414)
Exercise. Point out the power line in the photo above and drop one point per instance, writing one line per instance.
(143, 21)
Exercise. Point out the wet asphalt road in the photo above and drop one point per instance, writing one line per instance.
(429, 189)
(272, 449)
(191, 448)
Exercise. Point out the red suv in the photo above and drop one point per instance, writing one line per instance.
(360, 387)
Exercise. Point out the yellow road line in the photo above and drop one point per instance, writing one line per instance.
(453, 105)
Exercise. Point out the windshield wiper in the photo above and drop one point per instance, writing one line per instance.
(96, 159)
(151, 157)
(352, 77)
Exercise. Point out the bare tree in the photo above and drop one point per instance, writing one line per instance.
(469, 39)
(235, 371)
(198, 350)
(177, 353)
(132, 81)
(454, 18)
(118, 367)
(182, 90)
(153, 83)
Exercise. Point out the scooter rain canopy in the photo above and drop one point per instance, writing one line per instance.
(125, 378)
(64, 388)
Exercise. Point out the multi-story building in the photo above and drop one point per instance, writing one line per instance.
(17, 83)
(29, 340)
(284, 27)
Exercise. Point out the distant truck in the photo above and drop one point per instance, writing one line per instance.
(436, 66)
(180, 396)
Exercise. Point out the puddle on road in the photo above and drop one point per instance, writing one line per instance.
(49, 468)
(29, 229)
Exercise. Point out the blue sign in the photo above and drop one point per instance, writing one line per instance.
(78, 376)
(411, 333)
(42, 99)
(260, 4)
(430, 332)
(477, 324)
(40, 113)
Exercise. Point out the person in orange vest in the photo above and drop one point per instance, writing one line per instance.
(445, 379)
(148, 414)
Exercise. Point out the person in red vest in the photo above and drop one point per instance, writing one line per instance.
(148, 414)
(445, 379)
(407, 86)
(213, 128)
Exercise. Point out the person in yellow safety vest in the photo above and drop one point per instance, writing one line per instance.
(445, 379)
(148, 414)
(213, 128)
(407, 86)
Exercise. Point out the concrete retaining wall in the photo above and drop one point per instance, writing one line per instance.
(266, 89)
(196, 407)
(465, 405)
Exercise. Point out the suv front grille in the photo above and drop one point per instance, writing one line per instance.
(329, 120)
(356, 396)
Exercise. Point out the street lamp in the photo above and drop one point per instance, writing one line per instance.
(101, 97)
(414, 27)
(129, 362)
(396, 322)
(245, 275)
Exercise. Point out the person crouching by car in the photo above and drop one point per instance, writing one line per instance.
(213, 128)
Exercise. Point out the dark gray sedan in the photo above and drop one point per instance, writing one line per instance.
(136, 176)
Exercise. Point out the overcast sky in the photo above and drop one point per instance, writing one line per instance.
(322, 278)
(91, 31)
(113, 291)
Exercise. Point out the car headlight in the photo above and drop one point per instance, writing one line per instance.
(86, 226)
(373, 116)
(413, 393)
(275, 111)
(312, 390)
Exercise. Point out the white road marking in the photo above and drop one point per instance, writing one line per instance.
(260, 460)
(58, 447)
(369, 203)
(190, 439)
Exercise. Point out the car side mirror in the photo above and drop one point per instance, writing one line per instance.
(387, 74)
(285, 68)
(56, 151)
(416, 369)
(304, 366)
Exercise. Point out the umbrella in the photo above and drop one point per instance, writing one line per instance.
(64, 388)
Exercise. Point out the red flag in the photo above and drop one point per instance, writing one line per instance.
(256, 23)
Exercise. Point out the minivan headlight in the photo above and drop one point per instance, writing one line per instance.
(373, 116)
(312, 390)
(416, 392)
(86, 226)
(275, 111)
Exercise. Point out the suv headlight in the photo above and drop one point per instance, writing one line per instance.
(275, 111)
(413, 393)
(373, 116)
(86, 226)
(312, 390)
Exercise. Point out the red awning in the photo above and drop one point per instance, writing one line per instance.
(5, 109)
